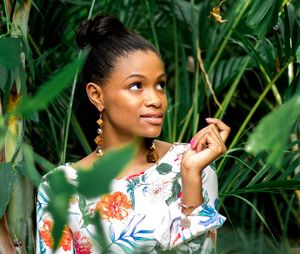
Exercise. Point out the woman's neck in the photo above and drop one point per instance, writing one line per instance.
(117, 142)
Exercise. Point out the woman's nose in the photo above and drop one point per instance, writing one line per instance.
(153, 98)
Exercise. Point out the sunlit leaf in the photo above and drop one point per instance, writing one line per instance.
(7, 176)
(273, 131)
(93, 182)
(10, 50)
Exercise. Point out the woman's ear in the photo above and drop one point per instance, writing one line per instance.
(95, 94)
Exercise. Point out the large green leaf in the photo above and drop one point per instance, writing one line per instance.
(59, 193)
(10, 50)
(50, 89)
(226, 70)
(263, 15)
(28, 167)
(7, 176)
(273, 131)
(94, 182)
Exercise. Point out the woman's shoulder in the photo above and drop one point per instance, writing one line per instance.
(70, 169)
(67, 169)
(165, 148)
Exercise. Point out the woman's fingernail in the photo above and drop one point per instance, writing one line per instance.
(208, 118)
(192, 142)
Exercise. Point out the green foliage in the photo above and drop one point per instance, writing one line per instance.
(29, 168)
(10, 50)
(95, 181)
(49, 90)
(7, 174)
(60, 192)
(298, 55)
(252, 62)
(259, 18)
(273, 132)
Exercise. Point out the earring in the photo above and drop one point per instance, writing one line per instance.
(152, 155)
(99, 139)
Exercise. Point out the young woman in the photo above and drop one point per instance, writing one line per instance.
(166, 197)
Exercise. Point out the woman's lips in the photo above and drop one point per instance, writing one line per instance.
(153, 118)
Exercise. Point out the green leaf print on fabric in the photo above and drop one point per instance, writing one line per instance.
(176, 188)
(164, 168)
(84, 209)
(129, 238)
(132, 184)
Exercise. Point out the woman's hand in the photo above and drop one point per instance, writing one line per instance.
(206, 146)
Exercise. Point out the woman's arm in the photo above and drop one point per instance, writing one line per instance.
(206, 146)
(193, 229)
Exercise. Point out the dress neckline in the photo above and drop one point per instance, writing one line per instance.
(132, 176)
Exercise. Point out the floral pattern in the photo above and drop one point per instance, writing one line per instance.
(141, 213)
(46, 235)
(114, 206)
(82, 244)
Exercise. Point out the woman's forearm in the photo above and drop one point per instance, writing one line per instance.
(191, 192)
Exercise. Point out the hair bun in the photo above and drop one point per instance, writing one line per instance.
(93, 31)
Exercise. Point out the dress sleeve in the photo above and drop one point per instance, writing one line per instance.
(178, 229)
(44, 240)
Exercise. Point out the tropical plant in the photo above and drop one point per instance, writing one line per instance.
(237, 60)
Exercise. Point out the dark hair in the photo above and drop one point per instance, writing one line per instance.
(108, 39)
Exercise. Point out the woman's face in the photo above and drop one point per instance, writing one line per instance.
(134, 97)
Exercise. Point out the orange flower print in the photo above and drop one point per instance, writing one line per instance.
(82, 244)
(46, 235)
(114, 206)
(66, 239)
(45, 232)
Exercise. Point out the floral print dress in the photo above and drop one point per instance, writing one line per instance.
(141, 214)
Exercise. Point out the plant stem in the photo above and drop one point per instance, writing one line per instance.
(251, 113)
(151, 19)
(228, 35)
(69, 110)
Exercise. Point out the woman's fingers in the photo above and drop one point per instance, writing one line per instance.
(207, 145)
(207, 138)
(199, 135)
(223, 129)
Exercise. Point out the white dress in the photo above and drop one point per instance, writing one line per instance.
(140, 214)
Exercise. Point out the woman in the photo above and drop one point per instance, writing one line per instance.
(166, 196)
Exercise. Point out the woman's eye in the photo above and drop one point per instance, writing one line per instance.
(135, 86)
(161, 85)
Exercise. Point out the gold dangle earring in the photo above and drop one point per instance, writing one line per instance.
(99, 139)
(152, 155)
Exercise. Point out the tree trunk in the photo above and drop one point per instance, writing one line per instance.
(21, 203)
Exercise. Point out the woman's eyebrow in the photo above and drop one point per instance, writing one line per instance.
(136, 75)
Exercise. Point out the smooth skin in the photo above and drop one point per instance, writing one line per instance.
(133, 102)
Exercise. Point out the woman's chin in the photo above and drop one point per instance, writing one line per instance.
(152, 135)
